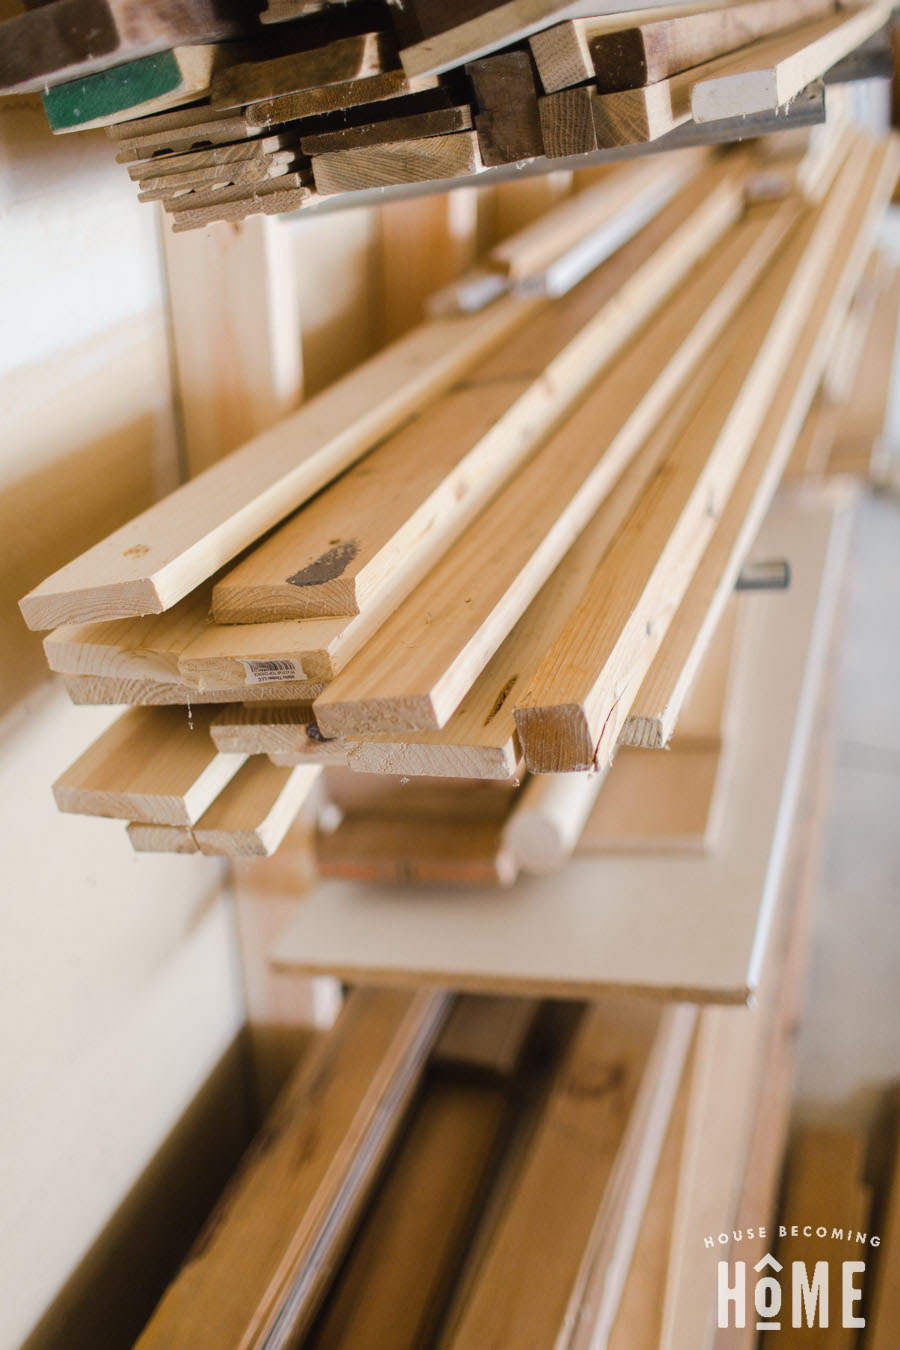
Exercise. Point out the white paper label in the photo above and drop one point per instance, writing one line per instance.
(272, 672)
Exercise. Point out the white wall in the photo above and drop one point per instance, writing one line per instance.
(119, 988)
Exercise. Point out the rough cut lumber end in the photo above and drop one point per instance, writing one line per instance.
(161, 838)
(558, 739)
(411, 712)
(424, 759)
(434, 158)
(46, 607)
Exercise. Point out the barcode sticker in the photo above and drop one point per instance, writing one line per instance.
(272, 672)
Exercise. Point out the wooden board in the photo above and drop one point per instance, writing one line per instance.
(480, 739)
(637, 1322)
(623, 200)
(253, 813)
(414, 126)
(403, 853)
(860, 423)
(152, 562)
(654, 713)
(573, 712)
(136, 89)
(479, 591)
(152, 765)
(616, 921)
(634, 50)
(635, 277)
(598, 1136)
(67, 39)
(277, 729)
(500, 26)
(507, 121)
(435, 157)
(824, 1187)
(327, 98)
(161, 838)
(768, 74)
(91, 690)
(274, 1241)
(362, 536)
(392, 1288)
(655, 802)
(355, 57)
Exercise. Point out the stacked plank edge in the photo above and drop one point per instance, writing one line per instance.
(220, 113)
(592, 462)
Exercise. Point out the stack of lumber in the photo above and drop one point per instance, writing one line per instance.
(463, 1171)
(504, 543)
(845, 429)
(399, 1181)
(219, 116)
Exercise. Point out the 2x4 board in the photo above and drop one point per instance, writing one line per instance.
(686, 927)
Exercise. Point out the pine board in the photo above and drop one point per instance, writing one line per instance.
(457, 619)
(616, 921)
(258, 1271)
(158, 766)
(157, 558)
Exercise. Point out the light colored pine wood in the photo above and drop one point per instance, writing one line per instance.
(129, 91)
(457, 618)
(654, 714)
(399, 799)
(499, 27)
(613, 921)
(651, 264)
(626, 194)
(599, 1135)
(273, 1243)
(572, 715)
(638, 1318)
(636, 49)
(391, 1289)
(161, 838)
(562, 52)
(762, 1170)
(767, 75)
(415, 493)
(659, 803)
(480, 739)
(156, 559)
(130, 649)
(432, 158)
(860, 423)
(355, 57)
(91, 690)
(253, 813)
(152, 765)
(277, 729)
(401, 853)
(238, 362)
(548, 818)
